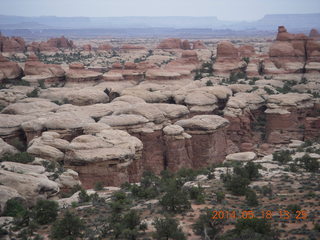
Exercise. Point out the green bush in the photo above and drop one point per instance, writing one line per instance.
(83, 196)
(23, 157)
(34, 93)
(197, 193)
(209, 83)
(69, 227)
(98, 186)
(45, 211)
(293, 208)
(251, 198)
(282, 156)
(14, 207)
(256, 224)
(238, 185)
(310, 164)
(220, 196)
(175, 199)
(205, 226)
(167, 228)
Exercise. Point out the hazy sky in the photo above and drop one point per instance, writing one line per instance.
(223, 9)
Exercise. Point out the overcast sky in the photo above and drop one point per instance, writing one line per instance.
(223, 9)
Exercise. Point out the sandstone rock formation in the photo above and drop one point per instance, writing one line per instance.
(314, 34)
(34, 70)
(52, 45)
(290, 116)
(106, 157)
(294, 53)
(9, 70)
(7, 193)
(12, 44)
(30, 186)
(209, 138)
(6, 149)
(170, 43)
(81, 75)
(228, 59)
(131, 47)
(68, 124)
(105, 47)
(30, 106)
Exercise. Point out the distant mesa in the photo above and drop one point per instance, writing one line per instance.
(314, 33)
(52, 45)
(131, 47)
(176, 43)
(105, 47)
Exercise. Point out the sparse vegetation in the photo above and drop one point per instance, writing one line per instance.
(23, 157)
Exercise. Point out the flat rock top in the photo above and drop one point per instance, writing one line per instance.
(173, 130)
(203, 122)
(289, 99)
(30, 107)
(60, 120)
(115, 145)
(123, 120)
(242, 156)
(21, 168)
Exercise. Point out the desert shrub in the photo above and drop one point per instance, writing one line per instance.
(256, 224)
(251, 198)
(98, 186)
(266, 190)
(22, 157)
(269, 91)
(206, 227)
(197, 194)
(130, 225)
(198, 75)
(308, 163)
(220, 196)
(246, 59)
(45, 211)
(41, 84)
(235, 76)
(149, 186)
(282, 156)
(293, 208)
(209, 83)
(34, 93)
(167, 228)
(175, 199)
(119, 202)
(69, 227)
(83, 196)
(303, 80)
(238, 185)
(14, 207)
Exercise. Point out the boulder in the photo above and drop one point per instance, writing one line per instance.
(30, 186)
(242, 156)
(22, 168)
(68, 180)
(6, 149)
(31, 106)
